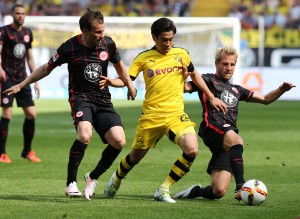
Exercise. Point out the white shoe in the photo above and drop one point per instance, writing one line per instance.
(72, 190)
(163, 195)
(90, 186)
(188, 193)
(110, 189)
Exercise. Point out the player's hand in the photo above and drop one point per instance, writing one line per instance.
(218, 105)
(104, 82)
(12, 90)
(286, 86)
(185, 72)
(37, 90)
(131, 93)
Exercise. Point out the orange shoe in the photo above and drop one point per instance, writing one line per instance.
(4, 159)
(32, 157)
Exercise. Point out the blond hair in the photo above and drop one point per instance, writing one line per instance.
(227, 50)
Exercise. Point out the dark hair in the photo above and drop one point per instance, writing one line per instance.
(162, 25)
(89, 17)
(17, 6)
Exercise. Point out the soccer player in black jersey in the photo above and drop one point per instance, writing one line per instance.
(15, 50)
(219, 131)
(88, 55)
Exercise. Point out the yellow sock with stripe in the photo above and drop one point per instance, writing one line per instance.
(123, 169)
(180, 168)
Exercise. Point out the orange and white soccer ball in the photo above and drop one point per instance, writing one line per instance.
(254, 192)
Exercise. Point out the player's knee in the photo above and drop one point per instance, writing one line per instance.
(193, 151)
(85, 138)
(219, 191)
(119, 143)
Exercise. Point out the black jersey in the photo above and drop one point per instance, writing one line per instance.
(229, 93)
(85, 66)
(15, 45)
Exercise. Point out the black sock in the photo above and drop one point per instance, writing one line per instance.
(3, 134)
(108, 157)
(206, 192)
(76, 154)
(28, 133)
(237, 165)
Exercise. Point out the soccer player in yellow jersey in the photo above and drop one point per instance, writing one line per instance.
(163, 107)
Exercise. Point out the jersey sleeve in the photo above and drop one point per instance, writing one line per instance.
(245, 94)
(58, 58)
(2, 35)
(135, 67)
(114, 55)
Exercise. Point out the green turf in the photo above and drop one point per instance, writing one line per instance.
(271, 154)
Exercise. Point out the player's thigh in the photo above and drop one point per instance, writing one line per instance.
(84, 131)
(29, 112)
(149, 131)
(187, 140)
(24, 97)
(220, 181)
(116, 137)
(231, 138)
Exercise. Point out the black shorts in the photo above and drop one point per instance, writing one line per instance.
(102, 117)
(23, 98)
(213, 137)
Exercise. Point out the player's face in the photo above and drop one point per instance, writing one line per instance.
(164, 41)
(18, 16)
(225, 68)
(95, 35)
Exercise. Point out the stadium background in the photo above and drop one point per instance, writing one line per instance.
(265, 61)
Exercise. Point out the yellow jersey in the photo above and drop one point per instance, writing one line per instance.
(163, 78)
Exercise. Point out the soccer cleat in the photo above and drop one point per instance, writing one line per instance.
(189, 192)
(90, 186)
(31, 156)
(4, 159)
(237, 195)
(72, 190)
(163, 195)
(110, 189)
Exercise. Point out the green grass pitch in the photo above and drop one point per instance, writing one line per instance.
(271, 154)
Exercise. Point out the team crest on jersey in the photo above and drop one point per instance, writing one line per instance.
(92, 72)
(228, 98)
(103, 55)
(26, 38)
(234, 90)
(178, 58)
(19, 50)
(150, 73)
(140, 140)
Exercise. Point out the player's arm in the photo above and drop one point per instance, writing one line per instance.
(36, 75)
(123, 80)
(200, 83)
(2, 72)
(273, 95)
(32, 66)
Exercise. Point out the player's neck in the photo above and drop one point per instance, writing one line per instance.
(17, 27)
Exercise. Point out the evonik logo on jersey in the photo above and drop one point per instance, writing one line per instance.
(162, 71)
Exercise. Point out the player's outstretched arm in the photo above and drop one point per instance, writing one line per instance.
(273, 95)
(36, 75)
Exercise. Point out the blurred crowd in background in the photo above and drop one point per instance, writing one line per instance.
(278, 13)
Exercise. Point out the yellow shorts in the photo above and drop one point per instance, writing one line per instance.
(151, 128)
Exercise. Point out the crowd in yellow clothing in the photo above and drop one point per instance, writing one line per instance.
(276, 13)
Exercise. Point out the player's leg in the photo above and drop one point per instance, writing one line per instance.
(24, 100)
(220, 170)
(28, 134)
(4, 130)
(146, 137)
(183, 134)
(234, 144)
(108, 125)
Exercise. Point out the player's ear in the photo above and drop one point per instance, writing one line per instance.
(154, 37)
